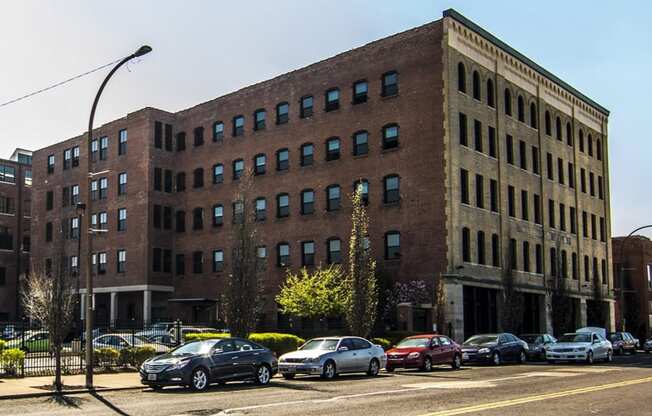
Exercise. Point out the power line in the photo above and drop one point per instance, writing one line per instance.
(59, 83)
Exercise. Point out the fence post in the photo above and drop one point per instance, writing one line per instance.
(177, 334)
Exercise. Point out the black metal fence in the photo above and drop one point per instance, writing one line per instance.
(112, 343)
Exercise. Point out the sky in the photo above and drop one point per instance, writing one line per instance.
(204, 49)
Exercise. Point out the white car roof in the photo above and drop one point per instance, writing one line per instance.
(593, 329)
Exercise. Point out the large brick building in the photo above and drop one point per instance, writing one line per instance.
(15, 204)
(467, 150)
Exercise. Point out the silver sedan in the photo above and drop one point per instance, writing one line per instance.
(330, 356)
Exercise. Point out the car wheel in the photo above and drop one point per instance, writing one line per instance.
(589, 357)
(288, 376)
(495, 358)
(157, 387)
(609, 357)
(427, 364)
(374, 368)
(329, 371)
(521, 357)
(263, 375)
(457, 362)
(389, 369)
(199, 379)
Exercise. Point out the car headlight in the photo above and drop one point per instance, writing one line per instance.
(311, 360)
(581, 349)
(483, 350)
(179, 364)
(413, 355)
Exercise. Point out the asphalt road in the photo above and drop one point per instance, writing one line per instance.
(621, 388)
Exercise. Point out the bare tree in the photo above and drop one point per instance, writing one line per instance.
(49, 298)
(244, 284)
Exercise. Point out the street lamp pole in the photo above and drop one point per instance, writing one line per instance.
(621, 275)
(89, 242)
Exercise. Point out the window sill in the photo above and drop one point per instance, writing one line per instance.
(361, 156)
(391, 149)
(389, 97)
(392, 204)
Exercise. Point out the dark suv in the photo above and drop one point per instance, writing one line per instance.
(199, 363)
(622, 342)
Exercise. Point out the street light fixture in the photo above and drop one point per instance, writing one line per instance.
(89, 243)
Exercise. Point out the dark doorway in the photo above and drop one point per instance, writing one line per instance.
(480, 315)
(531, 314)
(419, 320)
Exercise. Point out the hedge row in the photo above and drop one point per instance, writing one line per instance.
(2, 344)
(11, 359)
(134, 356)
(277, 342)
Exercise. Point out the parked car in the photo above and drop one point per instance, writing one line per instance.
(583, 345)
(537, 345)
(185, 330)
(157, 329)
(494, 349)
(622, 342)
(331, 356)
(122, 341)
(424, 351)
(10, 332)
(163, 339)
(197, 364)
(31, 341)
(647, 347)
(637, 343)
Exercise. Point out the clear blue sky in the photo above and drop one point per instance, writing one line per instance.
(203, 49)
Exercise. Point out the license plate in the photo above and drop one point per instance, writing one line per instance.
(289, 370)
(151, 377)
(465, 356)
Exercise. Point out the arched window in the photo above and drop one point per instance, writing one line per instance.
(581, 138)
(533, 115)
(307, 201)
(390, 136)
(558, 128)
(466, 245)
(363, 186)
(521, 109)
(548, 122)
(391, 189)
(282, 205)
(333, 197)
(307, 154)
(480, 248)
(590, 142)
(569, 134)
(360, 143)
(476, 85)
(598, 149)
(491, 102)
(282, 254)
(461, 77)
(198, 178)
(508, 102)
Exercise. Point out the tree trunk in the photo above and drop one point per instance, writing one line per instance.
(58, 386)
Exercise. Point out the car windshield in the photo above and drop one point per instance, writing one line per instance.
(481, 339)
(320, 344)
(414, 342)
(135, 339)
(197, 347)
(530, 339)
(575, 338)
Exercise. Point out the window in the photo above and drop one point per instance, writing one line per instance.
(104, 147)
(583, 180)
(464, 186)
(103, 220)
(392, 245)
(180, 264)
(362, 185)
(261, 209)
(526, 256)
(596, 271)
(101, 267)
(574, 271)
(492, 141)
(390, 136)
(306, 106)
(65, 196)
(238, 212)
(524, 206)
(533, 116)
(521, 108)
(282, 113)
(307, 154)
(158, 135)
(74, 228)
(168, 137)
(181, 141)
(480, 248)
(391, 189)
(569, 134)
(50, 164)
(491, 101)
(332, 97)
(476, 85)
(509, 143)
(495, 250)
(590, 143)
(360, 143)
(75, 156)
(571, 175)
(333, 197)
(122, 183)
(551, 213)
(198, 178)
(308, 253)
(5, 203)
(218, 215)
(259, 119)
(581, 137)
(167, 218)
(67, 157)
(493, 195)
(560, 170)
(598, 150)
(537, 209)
(122, 219)
(390, 84)
(198, 133)
(538, 259)
(333, 148)
(282, 205)
(573, 221)
(558, 129)
(523, 154)
(238, 126)
(511, 208)
(218, 131)
(307, 201)
(197, 218)
(75, 194)
(594, 232)
(551, 174)
(283, 254)
(600, 188)
(197, 262)
(167, 182)
(181, 221)
(74, 265)
(535, 160)
(334, 250)
(461, 77)
(104, 188)
(158, 179)
(513, 253)
(360, 90)
(238, 169)
(157, 216)
(218, 261)
(508, 102)
(477, 133)
(548, 123)
(282, 160)
(591, 184)
(121, 261)
(261, 252)
(181, 181)
(466, 245)
(464, 139)
(479, 191)
(260, 161)
(218, 173)
(562, 217)
(585, 225)
(587, 270)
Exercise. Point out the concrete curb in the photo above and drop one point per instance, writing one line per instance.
(67, 392)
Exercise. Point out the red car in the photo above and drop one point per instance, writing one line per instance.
(424, 351)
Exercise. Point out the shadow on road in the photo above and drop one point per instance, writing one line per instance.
(67, 401)
(108, 404)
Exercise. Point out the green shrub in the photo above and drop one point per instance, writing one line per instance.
(136, 356)
(206, 335)
(11, 359)
(2, 344)
(105, 357)
(277, 342)
(383, 342)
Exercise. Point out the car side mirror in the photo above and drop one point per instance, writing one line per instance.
(217, 351)
(342, 349)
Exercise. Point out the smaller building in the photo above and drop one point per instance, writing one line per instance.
(15, 215)
(633, 264)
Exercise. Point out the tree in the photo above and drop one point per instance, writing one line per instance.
(49, 298)
(362, 291)
(319, 294)
(242, 295)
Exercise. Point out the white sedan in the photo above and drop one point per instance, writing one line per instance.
(580, 346)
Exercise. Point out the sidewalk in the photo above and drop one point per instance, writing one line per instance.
(33, 386)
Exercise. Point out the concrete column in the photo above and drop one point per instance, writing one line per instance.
(113, 308)
(612, 316)
(545, 304)
(582, 313)
(82, 304)
(454, 311)
(147, 306)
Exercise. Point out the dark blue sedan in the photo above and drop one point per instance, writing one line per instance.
(494, 349)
